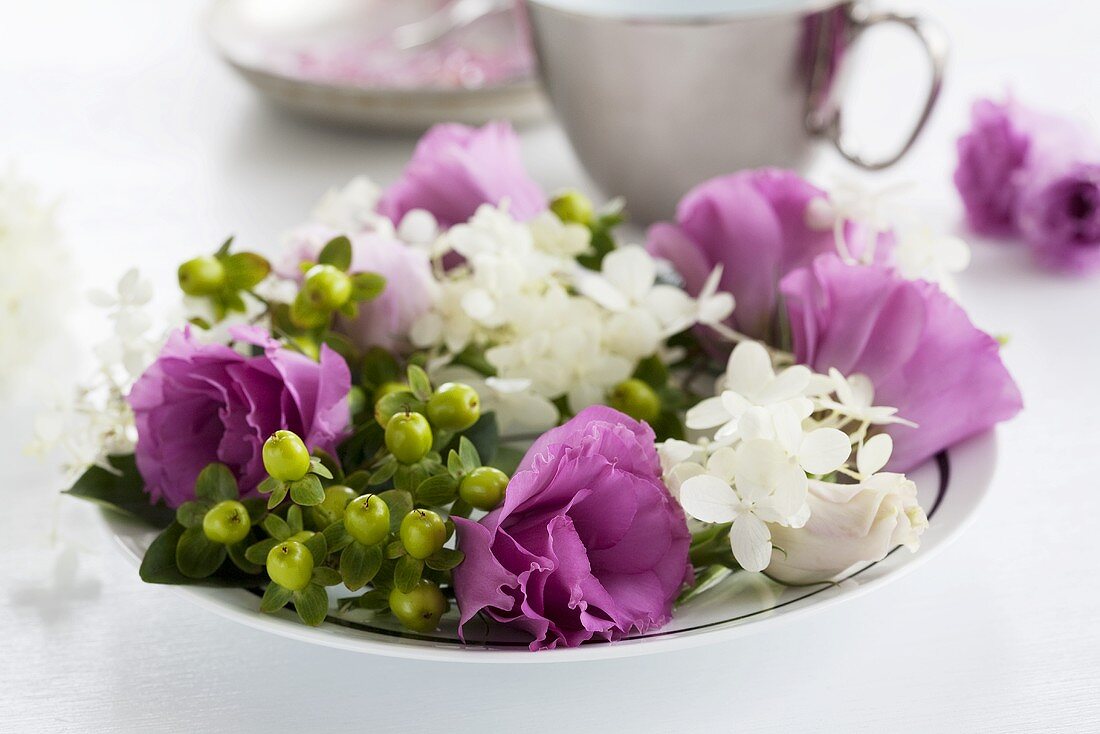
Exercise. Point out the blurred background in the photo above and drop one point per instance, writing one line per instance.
(154, 148)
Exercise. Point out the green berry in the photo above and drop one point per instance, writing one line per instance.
(227, 523)
(389, 388)
(419, 609)
(357, 400)
(202, 276)
(367, 519)
(332, 507)
(572, 206)
(326, 287)
(286, 457)
(637, 399)
(483, 488)
(422, 533)
(454, 407)
(305, 316)
(290, 565)
(408, 437)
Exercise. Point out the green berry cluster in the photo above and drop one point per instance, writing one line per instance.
(381, 529)
(223, 278)
(328, 288)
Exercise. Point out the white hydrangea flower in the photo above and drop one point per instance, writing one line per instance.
(351, 208)
(561, 239)
(938, 258)
(750, 381)
(32, 301)
(767, 467)
(748, 487)
(855, 395)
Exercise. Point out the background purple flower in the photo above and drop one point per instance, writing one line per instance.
(753, 223)
(588, 542)
(455, 169)
(1059, 216)
(409, 292)
(917, 345)
(1004, 140)
(201, 403)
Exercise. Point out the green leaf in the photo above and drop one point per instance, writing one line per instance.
(407, 573)
(485, 436)
(508, 459)
(400, 504)
(367, 286)
(224, 249)
(216, 483)
(275, 598)
(358, 481)
(277, 495)
(336, 253)
(191, 514)
(336, 535)
(350, 310)
(238, 553)
(469, 455)
(257, 552)
(653, 372)
(320, 466)
(383, 473)
(445, 559)
(326, 576)
(460, 509)
(394, 550)
(257, 508)
(318, 547)
(245, 270)
(409, 476)
(454, 464)
(121, 490)
(159, 566)
(379, 367)
(375, 600)
(419, 383)
(197, 556)
(294, 519)
(277, 527)
(311, 604)
(268, 485)
(307, 491)
(437, 490)
(359, 564)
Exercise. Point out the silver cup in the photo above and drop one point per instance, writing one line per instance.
(654, 105)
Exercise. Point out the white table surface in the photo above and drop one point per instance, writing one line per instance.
(157, 151)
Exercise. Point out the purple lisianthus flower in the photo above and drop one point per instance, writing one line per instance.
(758, 226)
(1059, 217)
(917, 345)
(455, 169)
(1004, 141)
(202, 403)
(588, 542)
(384, 321)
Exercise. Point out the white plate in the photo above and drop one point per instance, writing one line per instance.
(951, 488)
(239, 30)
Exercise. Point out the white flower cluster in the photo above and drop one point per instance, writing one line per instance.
(776, 444)
(31, 302)
(917, 252)
(547, 325)
(99, 422)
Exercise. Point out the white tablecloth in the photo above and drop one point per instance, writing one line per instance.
(157, 151)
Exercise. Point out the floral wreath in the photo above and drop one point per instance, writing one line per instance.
(460, 391)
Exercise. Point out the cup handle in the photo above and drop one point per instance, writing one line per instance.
(826, 121)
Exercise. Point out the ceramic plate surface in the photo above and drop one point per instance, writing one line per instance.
(263, 40)
(951, 488)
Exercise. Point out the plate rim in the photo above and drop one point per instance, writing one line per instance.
(982, 452)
